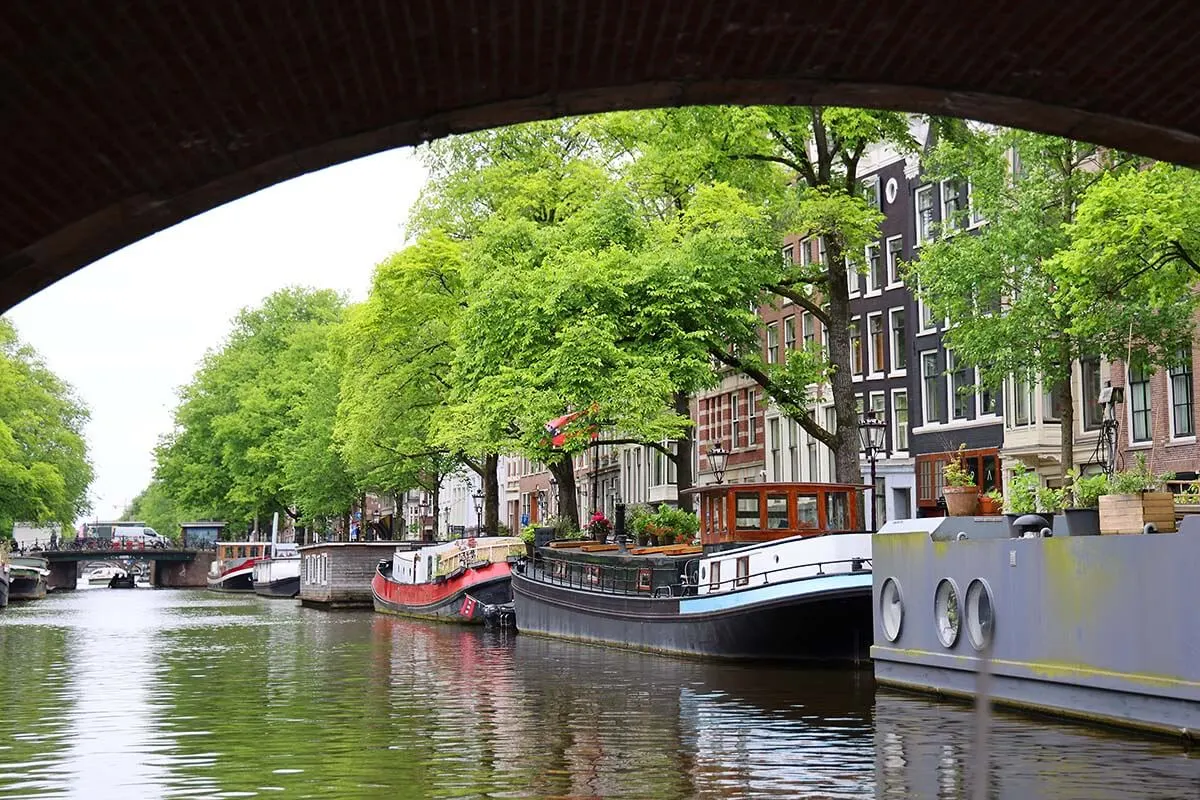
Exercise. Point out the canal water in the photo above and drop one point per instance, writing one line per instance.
(147, 694)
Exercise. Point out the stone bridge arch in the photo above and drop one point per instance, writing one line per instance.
(116, 122)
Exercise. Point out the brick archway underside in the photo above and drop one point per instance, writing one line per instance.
(118, 120)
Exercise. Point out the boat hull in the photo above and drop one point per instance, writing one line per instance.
(814, 620)
(282, 587)
(240, 582)
(461, 599)
(25, 587)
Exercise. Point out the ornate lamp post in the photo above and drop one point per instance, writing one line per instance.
(477, 498)
(718, 457)
(872, 435)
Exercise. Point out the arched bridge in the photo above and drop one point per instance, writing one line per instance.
(118, 122)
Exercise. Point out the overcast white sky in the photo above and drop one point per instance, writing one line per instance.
(130, 329)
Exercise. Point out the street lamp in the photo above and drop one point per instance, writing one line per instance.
(477, 498)
(446, 516)
(717, 457)
(872, 435)
(422, 511)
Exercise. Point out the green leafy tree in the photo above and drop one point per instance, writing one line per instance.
(44, 468)
(1063, 267)
(226, 457)
(155, 506)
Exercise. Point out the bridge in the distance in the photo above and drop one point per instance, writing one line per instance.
(170, 568)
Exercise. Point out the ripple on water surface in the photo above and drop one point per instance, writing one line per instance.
(188, 694)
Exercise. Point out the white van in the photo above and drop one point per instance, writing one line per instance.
(140, 536)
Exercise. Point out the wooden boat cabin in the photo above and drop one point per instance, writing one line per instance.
(230, 551)
(746, 513)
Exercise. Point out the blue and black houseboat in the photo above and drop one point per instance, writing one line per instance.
(781, 573)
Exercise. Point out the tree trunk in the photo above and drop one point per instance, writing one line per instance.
(491, 494)
(563, 471)
(435, 501)
(1066, 452)
(683, 456)
(845, 451)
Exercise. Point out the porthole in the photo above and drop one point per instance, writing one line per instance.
(981, 618)
(946, 614)
(889, 190)
(891, 609)
(702, 573)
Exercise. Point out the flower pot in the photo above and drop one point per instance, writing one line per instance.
(961, 501)
(1130, 513)
(988, 507)
(1080, 522)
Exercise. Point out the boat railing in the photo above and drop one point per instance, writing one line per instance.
(631, 580)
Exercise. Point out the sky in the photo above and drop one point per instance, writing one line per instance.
(127, 331)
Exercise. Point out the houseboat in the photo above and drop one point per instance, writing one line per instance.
(1092, 627)
(27, 577)
(465, 580)
(233, 568)
(782, 573)
(279, 574)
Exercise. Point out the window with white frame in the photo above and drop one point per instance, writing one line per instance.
(1179, 387)
(806, 252)
(814, 463)
(926, 315)
(878, 341)
(1022, 404)
(735, 418)
(1139, 404)
(951, 206)
(793, 450)
(931, 395)
(962, 378)
(1089, 375)
(776, 459)
(773, 343)
(853, 279)
(899, 339)
(752, 416)
(875, 267)
(789, 335)
(820, 249)
(878, 403)
(789, 256)
(856, 347)
(923, 199)
(871, 191)
(895, 255)
(808, 329)
(974, 214)
(900, 420)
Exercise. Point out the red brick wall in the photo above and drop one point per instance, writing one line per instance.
(1162, 455)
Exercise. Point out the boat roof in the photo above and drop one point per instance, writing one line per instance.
(768, 485)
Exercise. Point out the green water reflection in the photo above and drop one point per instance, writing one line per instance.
(109, 694)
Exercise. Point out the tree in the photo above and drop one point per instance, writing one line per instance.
(155, 506)
(44, 468)
(1058, 270)
(226, 457)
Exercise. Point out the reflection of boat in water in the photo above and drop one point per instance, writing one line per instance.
(27, 577)
(782, 576)
(460, 581)
(278, 575)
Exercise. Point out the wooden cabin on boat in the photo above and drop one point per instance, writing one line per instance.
(747, 513)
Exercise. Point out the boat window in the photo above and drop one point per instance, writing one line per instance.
(714, 578)
(777, 515)
(643, 580)
(837, 511)
(743, 571)
(747, 511)
(241, 552)
(806, 511)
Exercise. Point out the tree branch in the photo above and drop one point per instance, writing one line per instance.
(659, 446)
(799, 414)
(783, 290)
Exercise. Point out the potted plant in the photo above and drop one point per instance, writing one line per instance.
(960, 491)
(991, 502)
(666, 525)
(599, 527)
(1021, 497)
(1081, 515)
(1135, 499)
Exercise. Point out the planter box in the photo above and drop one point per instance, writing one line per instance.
(1077, 522)
(961, 501)
(1129, 513)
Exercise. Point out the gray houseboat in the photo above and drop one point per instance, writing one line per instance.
(1091, 627)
